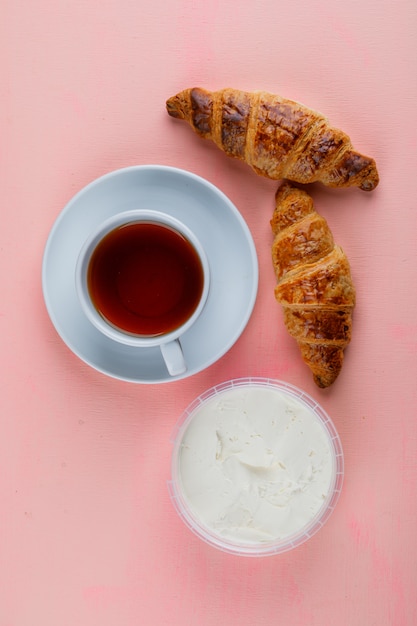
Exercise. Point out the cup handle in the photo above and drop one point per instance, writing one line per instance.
(174, 357)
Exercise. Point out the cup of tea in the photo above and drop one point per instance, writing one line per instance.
(142, 278)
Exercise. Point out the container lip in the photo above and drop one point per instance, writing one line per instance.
(276, 546)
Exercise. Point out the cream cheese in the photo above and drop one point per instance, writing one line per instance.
(255, 464)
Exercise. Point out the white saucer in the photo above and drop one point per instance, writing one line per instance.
(221, 230)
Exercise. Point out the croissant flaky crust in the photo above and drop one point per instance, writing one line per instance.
(314, 283)
(278, 138)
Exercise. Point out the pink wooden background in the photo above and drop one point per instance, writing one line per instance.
(88, 535)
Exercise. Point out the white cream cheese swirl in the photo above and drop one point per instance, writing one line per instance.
(255, 465)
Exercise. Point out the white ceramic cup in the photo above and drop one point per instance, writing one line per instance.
(169, 343)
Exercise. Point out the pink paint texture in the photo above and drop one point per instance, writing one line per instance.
(88, 535)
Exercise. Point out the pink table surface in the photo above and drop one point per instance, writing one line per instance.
(88, 534)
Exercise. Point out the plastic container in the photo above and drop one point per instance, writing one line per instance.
(257, 467)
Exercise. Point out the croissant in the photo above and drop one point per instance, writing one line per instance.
(278, 138)
(314, 283)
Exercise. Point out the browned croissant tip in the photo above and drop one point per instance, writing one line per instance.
(325, 381)
(174, 108)
(355, 169)
(370, 177)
